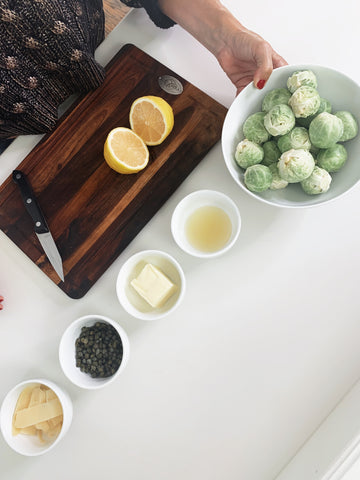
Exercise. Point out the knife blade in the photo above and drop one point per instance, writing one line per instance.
(40, 225)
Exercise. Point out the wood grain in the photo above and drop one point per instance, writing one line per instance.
(93, 212)
(115, 11)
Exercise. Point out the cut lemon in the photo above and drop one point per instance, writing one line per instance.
(125, 151)
(152, 118)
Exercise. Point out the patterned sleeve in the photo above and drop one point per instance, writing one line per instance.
(153, 10)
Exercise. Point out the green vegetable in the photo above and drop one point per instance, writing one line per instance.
(298, 137)
(279, 120)
(274, 97)
(325, 106)
(271, 153)
(248, 153)
(318, 182)
(325, 130)
(258, 178)
(296, 165)
(305, 101)
(277, 182)
(333, 158)
(300, 78)
(254, 129)
(350, 125)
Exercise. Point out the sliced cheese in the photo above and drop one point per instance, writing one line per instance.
(38, 413)
(153, 286)
(37, 396)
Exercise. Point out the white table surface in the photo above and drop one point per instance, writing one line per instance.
(266, 341)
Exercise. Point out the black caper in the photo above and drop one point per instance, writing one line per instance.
(98, 350)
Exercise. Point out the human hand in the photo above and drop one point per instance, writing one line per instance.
(244, 55)
(247, 57)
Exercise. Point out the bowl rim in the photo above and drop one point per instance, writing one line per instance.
(90, 319)
(125, 302)
(9, 401)
(214, 194)
(251, 87)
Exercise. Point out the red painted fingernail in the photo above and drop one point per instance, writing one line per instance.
(261, 84)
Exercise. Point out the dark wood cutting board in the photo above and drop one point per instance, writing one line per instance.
(92, 211)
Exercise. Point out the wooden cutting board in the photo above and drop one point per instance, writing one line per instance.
(92, 211)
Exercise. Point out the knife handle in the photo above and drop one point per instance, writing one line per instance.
(30, 201)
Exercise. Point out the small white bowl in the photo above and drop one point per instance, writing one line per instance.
(192, 202)
(132, 302)
(67, 352)
(27, 444)
(341, 91)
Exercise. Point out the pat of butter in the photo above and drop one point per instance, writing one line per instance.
(152, 285)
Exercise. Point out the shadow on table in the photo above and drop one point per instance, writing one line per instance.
(4, 143)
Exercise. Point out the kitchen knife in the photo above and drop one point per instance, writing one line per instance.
(41, 228)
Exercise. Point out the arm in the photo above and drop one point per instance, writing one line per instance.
(243, 54)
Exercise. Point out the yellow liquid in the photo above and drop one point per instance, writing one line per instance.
(208, 229)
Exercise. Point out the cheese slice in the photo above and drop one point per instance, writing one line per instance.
(153, 286)
(38, 413)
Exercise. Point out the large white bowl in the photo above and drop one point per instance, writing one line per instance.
(67, 352)
(342, 92)
(27, 444)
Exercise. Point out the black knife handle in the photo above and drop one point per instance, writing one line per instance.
(30, 201)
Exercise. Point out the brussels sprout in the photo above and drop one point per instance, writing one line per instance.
(274, 97)
(296, 165)
(277, 182)
(350, 125)
(279, 120)
(318, 182)
(271, 153)
(325, 106)
(305, 101)
(298, 137)
(333, 158)
(248, 153)
(254, 129)
(325, 130)
(300, 78)
(258, 178)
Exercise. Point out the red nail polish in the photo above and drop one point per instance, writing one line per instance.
(261, 84)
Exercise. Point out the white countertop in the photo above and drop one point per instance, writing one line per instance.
(266, 341)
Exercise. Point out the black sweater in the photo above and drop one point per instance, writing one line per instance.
(47, 53)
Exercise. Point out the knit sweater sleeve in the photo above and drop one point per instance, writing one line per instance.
(153, 10)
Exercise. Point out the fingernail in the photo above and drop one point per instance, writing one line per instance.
(261, 84)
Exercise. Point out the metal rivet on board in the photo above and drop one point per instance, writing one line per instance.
(170, 84)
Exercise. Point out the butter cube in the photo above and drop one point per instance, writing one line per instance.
(152, 285)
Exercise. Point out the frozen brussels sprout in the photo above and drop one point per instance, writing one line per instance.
(277, 182)
(325, 106)
(325, 130)
(300, 78)
(279, 120)
(318, 182)
(271, 152)
(350, 125)
(296, 165)
(333, 158)
(298, 137)
(275, 97)
(258, 178)
(254, 129)
(248, 153)
(305, 101)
